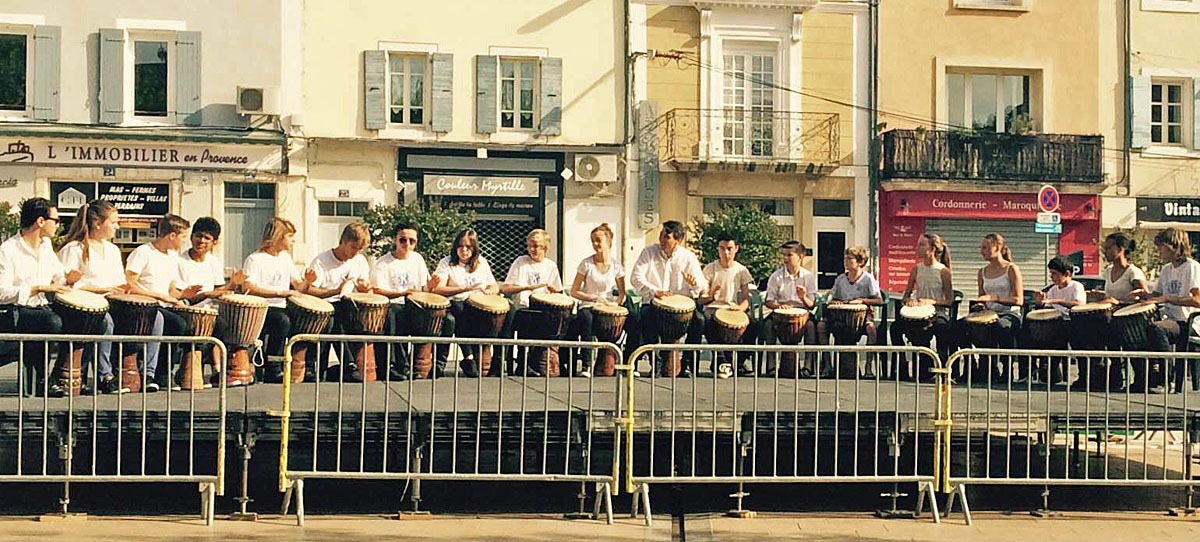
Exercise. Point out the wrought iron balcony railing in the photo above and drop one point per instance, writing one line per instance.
(934, 154)
(747, 139)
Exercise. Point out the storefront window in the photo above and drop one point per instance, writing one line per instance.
(12, 71)
(150, 78)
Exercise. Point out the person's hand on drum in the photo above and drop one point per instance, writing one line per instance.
(553, 290)
(712, 290)
(290, 293)
(190, 291)
(48, 289)
(801, 292)
(856, 302)
(986, 298)
(689, 279)
(73, 276)
(434, 282)
(362, 285)
(662, 293)
(238, 278)
(911, 302)
(310, 275)
(1040, 297)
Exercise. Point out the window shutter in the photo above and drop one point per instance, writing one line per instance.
(1139, 91)
(46, 71)
(442, 87)
(1196, 113)
(485, 93)
(112, 76)
(374, 101)
(551, 98)
(187, 78)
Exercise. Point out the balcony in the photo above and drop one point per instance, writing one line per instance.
(748, 140)
(932, 154)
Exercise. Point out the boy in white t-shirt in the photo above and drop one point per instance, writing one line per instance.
(1177, 292)
(728, 288)
(530, 274)
(1064, 293)
(397, 274)
(339, 271)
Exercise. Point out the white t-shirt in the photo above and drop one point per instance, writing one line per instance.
(207, 273)
(271, 273)
(335, 273)
(396, 275)
(103, 269)
(156, 270)
(781, 286)
(526, 272)
(1120, 288)
(1178, 281)
(599, 283)
(459, 276)
(1074, 291)
(730, 280)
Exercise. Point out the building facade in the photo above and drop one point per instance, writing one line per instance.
(752, 102)
(138, 103)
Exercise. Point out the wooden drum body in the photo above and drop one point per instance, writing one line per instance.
(1045, 326)
(917, 321)
(370, 316)
(426, 312)
(202, 320)
(551, 316)
(483, 317)
(729, 325)
(244, 317)
(673, 315)
(309, 315)
(1091, 324)
(608, 322)
(1132, 324)
(981, 325)
(789, 324)
(846, 321)
(82, 313)
(132, 315)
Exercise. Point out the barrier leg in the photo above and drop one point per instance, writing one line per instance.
(1044, 511)
(208, 502)
(895, 512)
(287, 499)
(300, 502)
(645, 490)
(739, 496)
(608, 508)
(635, 499)
(925, 492)
(246, 443)
(582, 496)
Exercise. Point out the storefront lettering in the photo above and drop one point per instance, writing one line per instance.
(1168, 209)
(956, 204)
(197, 156)
(459, 185)
(1174, 209)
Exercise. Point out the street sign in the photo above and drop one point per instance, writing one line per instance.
(1048, 199)
(1049, 218)
(1047, 228)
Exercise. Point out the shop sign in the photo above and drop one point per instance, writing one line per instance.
(16, 183)
(131, 199)
(479, 186)
(501, 206)
(1168, 210)
(985, 205)
(101, 153)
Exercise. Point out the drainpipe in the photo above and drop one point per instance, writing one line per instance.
(873, 138)
(1126, 150)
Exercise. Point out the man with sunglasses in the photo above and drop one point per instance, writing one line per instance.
(397, 274)
(29, 269)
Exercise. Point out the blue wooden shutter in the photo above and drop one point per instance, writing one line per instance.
(187, 78)
(486, 67)
(112, 76)
(442, 89)
(46, 71)
(551, 96)
(1139, 91)
(374, 101)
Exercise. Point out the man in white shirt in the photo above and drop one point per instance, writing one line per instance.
(791, 286)
(529, 274)
(396, 275)
(29, 270)
(664, 269)
(152, 270)
(338, 271)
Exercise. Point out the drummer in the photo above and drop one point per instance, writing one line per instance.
(664, 269)
(855, 286)
(791, 286)
(529, 274)
(1064, 293)
(397, 274)
(200, 266)
(93, 264)
(457, 276)
(729, 288)
(599, 279)
(1124, 282)
(1177, 290)
(336, 272)
(28, 271)
(272, 274)
(152, 270)
(1001, 289)
(929, 283)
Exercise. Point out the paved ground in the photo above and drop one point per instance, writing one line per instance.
(824, 527)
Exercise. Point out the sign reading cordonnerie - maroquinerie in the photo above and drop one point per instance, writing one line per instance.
(1168, 210)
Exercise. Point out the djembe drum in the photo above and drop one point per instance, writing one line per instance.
(426, 312)
(483, 318)
(309, 315)
(82, 313)
(370, 314)
(1045, 327)
(917, 322)
(244, 316)
(552, 313)
(1091, 324)
(608, 322)
(202, 321)
(1132, 326)
(728, 326)
(672, 316)
(789, 324)
(132, 315)
(846, 321)
(981, 327)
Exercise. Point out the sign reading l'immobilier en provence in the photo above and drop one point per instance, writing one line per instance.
(161, 155)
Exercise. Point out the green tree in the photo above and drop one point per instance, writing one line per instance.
(9, 221)
(436, 226)
(1144, 255)
(757, 235)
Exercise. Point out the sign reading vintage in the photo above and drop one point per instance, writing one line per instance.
(1168, 210)
(488, 187)
(163, 155)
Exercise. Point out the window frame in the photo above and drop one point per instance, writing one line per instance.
(336, 215)
(537, 90)
(1035, 112)
(749, 53)
(132, 36)
(27, 111)
(1172, 6)
(1185, 112)
(427, 76)
(1003, 5)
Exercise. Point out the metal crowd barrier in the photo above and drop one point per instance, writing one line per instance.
(507, 428)
(1006, 426)
(130, 437)
(865, 420)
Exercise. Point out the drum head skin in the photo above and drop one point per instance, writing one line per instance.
(983, 317)
(675, 303)
(553, 300)
(243, 299)
(429, 299)
(311, 303)
(846, 307)
(132, 299)
(1131, 310)
(488, 302)
(612, 310)
(82, 300)
(792, 312)
(366, 298)
(1090, 307)
(1042, 315)
(732, 318)
(194, 309)
(918, 312)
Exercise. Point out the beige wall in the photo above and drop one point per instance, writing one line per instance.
(586, 34)
(828, 72)
(670, 84)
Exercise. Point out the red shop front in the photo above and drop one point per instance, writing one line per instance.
(963, 218)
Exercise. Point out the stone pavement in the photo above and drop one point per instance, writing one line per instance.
(823, 527)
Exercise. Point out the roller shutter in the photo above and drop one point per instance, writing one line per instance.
(963, 236)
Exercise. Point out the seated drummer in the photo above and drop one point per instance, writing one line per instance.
(271, 274)
(729, 288)
(855, 286)
(457, 276)
(1064, 293)
(93, 264)
(153, 271)
(791, 286)
(1001, 288)
(336, 272)
(1177, 291)
(200, 266)
(1124, 282)
(929, 283)
(664, 269)
(397, 274)
(28, 271)
(599, 279)
(530, 274)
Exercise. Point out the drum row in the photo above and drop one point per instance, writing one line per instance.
(1092, 326)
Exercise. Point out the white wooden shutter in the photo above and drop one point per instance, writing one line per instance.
(485, 93)
(187, 78)
(1139, 90)
(551, 96)
(374, 100)
(442, 92)
(112, 76)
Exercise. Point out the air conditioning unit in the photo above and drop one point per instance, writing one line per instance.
(596, 168)
(257, 100)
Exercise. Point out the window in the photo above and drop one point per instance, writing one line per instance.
(1166, 113)
(235, 190)
(749, 101)
(14, 65)
(345, 209)
(831, 207)
(150, 78)
(406, 80)
(518, 91)
(990, 102)
(1176, 6)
